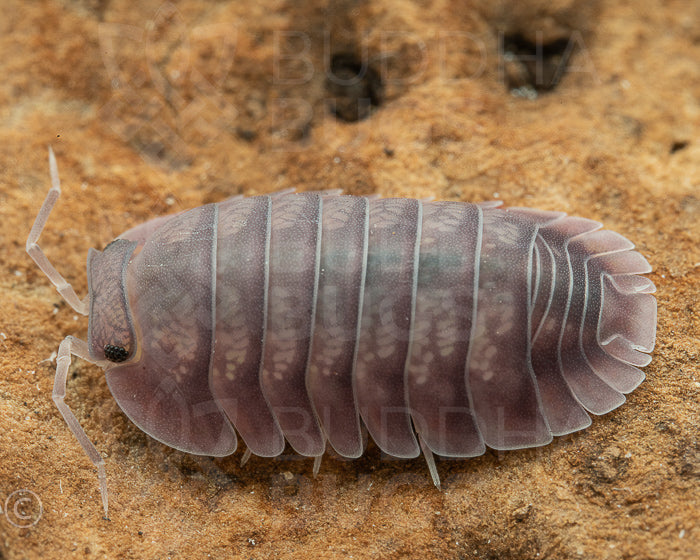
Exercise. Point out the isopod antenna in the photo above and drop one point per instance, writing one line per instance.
(35, 252)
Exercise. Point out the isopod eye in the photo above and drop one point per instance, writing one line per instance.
(115, 353)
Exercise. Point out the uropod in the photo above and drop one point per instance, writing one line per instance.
(317, 319)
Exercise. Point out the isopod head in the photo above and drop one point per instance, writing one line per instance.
(160, 304)
(110, 325)
(157, 389)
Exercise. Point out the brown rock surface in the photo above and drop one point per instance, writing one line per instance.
(165, 106)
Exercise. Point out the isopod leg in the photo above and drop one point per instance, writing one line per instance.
(73, 346)
(317, 464)
(430, 459)
(246, 456)
(35, 252)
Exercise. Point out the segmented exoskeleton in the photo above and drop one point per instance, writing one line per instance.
(444, 327)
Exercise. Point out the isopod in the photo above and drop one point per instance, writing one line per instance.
(317, 318)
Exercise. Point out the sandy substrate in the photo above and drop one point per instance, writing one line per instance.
(169, 106)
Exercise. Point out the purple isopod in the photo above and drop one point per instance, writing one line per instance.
(316, 318)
